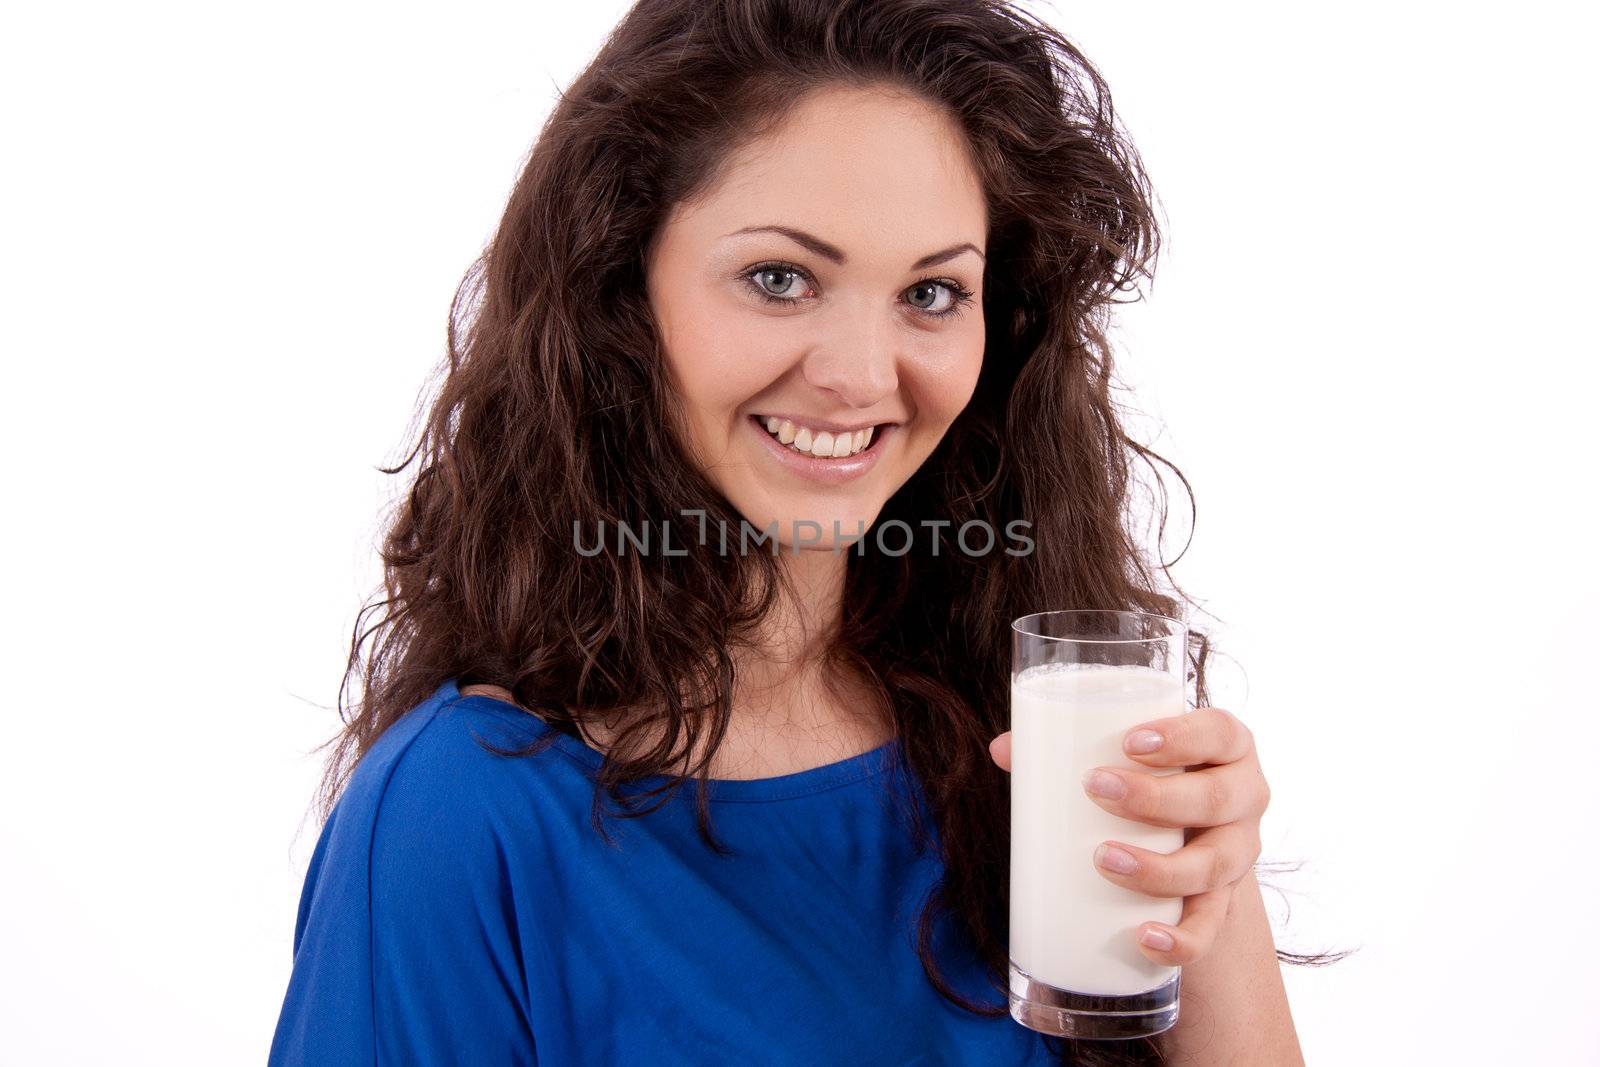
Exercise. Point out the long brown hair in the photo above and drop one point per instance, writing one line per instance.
(555, 409)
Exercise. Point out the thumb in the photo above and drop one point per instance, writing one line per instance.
(1000, 750)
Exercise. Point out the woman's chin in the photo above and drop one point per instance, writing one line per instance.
(803, 532)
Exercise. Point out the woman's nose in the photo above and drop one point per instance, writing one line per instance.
(858, 362)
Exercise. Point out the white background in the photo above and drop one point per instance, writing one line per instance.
(230, 238)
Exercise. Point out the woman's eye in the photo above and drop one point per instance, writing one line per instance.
(779, 279)
(928, 291)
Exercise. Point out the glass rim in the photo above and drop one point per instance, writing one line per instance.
(1182, 627)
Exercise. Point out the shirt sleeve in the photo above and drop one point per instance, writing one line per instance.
(406, 944)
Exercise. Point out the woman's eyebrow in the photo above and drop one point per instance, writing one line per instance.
(828, 251)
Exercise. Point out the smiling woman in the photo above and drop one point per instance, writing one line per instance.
(828, 333)
(813, 267)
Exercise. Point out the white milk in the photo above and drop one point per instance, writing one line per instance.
(1070, 926)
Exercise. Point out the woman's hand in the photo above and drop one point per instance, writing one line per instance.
(1219, 803)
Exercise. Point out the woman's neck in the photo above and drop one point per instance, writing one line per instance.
(804, 617)
(788, 714)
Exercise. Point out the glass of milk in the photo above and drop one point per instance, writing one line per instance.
(1079, 681)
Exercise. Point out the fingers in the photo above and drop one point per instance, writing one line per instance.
(1209, 796)
(1204, 735)
(1200, 737)
(1216, 856)
(1196, 930)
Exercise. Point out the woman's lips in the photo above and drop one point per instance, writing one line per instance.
(827, 470)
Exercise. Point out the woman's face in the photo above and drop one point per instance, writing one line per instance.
(831, 282)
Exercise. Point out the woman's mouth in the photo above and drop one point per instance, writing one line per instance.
(822, 455)
(822, 444)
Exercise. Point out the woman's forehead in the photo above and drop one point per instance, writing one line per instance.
(869, 173)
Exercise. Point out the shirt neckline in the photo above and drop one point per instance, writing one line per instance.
(781, 787)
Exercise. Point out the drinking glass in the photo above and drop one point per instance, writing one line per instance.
(1079, 680)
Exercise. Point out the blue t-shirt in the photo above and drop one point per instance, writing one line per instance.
(460, 908)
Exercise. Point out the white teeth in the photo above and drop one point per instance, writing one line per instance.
(823, 444)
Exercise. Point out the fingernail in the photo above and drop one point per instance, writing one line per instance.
(1156, 938)
(1103, 783)
(1143, 742)
(1115, 859)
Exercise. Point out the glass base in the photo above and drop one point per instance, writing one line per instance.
(1061, 1013)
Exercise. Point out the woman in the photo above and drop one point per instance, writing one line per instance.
(631, 785)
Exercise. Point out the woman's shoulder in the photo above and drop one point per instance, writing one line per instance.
(409, 901)
(430, 813)
(448, 766)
